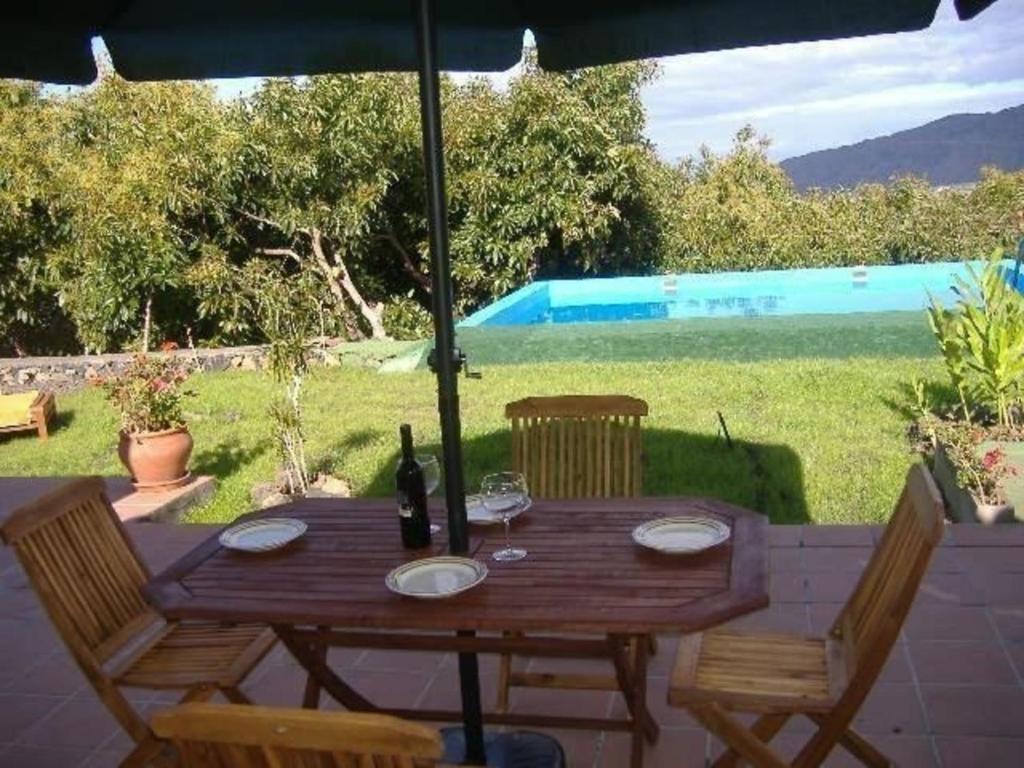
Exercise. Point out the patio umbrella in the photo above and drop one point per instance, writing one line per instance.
(186, 39)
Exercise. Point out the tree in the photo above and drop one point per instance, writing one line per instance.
(143, 170)
(31, 222)
(319, 159)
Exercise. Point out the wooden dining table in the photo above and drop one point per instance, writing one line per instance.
(585, 590)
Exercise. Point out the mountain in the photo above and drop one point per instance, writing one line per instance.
(950, 150)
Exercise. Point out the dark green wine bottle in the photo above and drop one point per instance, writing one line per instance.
(412, 496)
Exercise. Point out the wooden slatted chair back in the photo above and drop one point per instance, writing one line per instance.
(871, 621)
(234, 736)
(83, 567)
(575, 446)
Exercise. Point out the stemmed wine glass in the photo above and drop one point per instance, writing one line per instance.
(431, 478)
(505, 494)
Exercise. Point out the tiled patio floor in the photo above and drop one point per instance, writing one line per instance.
(951, 695)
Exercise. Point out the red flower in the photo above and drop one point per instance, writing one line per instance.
(992, 459)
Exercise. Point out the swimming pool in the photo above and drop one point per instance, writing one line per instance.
(840, 290)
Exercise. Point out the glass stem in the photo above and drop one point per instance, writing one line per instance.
(508, 535)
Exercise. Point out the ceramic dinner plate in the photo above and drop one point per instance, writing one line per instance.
(478, 514)
(262, 535)
(435, 577)
(681, 535)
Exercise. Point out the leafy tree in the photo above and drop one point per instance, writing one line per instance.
(143, 172)
(31, 222)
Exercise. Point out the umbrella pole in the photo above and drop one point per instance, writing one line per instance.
(446, 360)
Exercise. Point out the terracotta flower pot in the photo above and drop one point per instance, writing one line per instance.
(157, 461)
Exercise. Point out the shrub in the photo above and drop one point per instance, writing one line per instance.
(149, 394)
(982, 342)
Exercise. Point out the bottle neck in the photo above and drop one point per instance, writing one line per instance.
(407, 449)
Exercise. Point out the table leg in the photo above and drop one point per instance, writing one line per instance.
(311, 695)
(630, 658)
(313, 658)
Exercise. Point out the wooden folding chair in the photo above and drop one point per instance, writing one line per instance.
(578, 446)
(229, 736)
(574, 446)
(824, 678)
(88, 576)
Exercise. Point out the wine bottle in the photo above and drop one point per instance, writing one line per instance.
(412, 496)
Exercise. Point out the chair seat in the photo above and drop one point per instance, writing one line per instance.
(757, 672)
(199, 653)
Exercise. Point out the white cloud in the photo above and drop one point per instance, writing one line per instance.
(808, 96)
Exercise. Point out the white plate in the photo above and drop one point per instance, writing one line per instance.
(262, 535)
(436, 577)
(478, 514)
(681, 535)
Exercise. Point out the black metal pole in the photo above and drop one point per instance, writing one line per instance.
(445, 361)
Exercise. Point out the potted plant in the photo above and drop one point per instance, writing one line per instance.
(155, 443)
(970, 476)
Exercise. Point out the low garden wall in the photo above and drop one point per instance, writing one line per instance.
(63, 374)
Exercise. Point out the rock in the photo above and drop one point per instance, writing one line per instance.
(236, 361)
(333, 486)
(26, 375)
(249, 363)
(331, 361)
(266, 495)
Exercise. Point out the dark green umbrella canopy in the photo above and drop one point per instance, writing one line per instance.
(188, 39)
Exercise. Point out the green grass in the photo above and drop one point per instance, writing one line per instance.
(816, 439)
(882, 334)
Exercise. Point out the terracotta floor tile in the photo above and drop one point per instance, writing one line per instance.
(1009, 620)
(991, 559)
(946, 560)
(785, 535)
(58, 675)
(675, 749)
(785, 560)
(891, 709)
(836, 559)
(830, 587)
(581, 747)
(987, 536)
(974, 710)
(787, 588)
(781, 617)
(387, 689)
(905, 751)
(997, 588)
(78, 723)
(974, 752)
(932, 621)
(822, 616)
(838, 536)
(279, 686)
(420, 662)
(18, 756)
(961, 663)
(443, 692)
(19, 713)
(103, 758)
(669, 718)
(561, 703)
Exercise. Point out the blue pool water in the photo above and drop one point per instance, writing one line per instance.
(840, 290)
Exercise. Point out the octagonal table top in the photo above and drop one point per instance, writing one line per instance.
(583, 572)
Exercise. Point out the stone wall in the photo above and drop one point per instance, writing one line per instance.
(63, 374)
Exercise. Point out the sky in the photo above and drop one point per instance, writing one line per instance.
(810, 96)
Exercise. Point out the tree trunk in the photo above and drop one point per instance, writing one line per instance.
(147, 322)
(340, 282)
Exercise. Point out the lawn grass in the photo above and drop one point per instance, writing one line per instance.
(817, 440)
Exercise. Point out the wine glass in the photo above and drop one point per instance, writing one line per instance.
(431, 478)
(505, 494)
